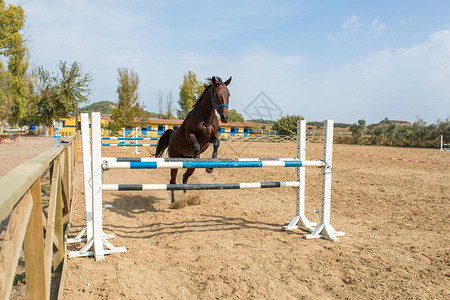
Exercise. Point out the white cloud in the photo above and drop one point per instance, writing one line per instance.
(394, 83)
(376, 28)
(352, 24)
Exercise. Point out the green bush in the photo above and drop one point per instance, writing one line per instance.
(287, 125)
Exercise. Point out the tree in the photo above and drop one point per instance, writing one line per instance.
(444, 127)
(190, 90)
(113, 127)
(15, 93)
(234, 116)
(358, 129)
(169, 106)
(73, 87)
(19, 91)
(59, 96)
(128, 113)
(128, 87)
(287, 125)
(46, 97)
(12, 20)
(129, 116)
(159, 95)
(5, 101)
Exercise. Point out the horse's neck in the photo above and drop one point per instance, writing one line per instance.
(207, 111)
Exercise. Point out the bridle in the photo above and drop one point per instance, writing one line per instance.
(212, 99)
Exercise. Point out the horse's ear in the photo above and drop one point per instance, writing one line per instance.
(213, 80)
(228, 81)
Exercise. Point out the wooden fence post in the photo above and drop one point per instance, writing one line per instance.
(34, 247)
(12, 243)
(48, 250)
(58, 257)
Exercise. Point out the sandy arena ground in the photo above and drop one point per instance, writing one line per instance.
(14, 154)
(395, 215)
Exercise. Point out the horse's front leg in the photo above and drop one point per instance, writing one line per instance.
(195, 145)
(216, 144)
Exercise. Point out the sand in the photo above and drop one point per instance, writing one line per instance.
(395, 215)
(13, 154)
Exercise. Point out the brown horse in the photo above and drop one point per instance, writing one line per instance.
(199, 129)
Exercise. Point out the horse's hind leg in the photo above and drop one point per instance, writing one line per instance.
(216, 144)
(173, 180)
(186, 176)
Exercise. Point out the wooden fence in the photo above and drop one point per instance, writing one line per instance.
(43, 237)
(311, 137)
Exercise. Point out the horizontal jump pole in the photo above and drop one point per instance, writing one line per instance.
(209, 186)
(129, 145)
(130, 138)
(159, 159)
(209, 164)
(125, 143)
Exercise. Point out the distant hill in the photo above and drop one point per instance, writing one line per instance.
(394, 122)
(105, 107)
(261, 121)
(320, 124)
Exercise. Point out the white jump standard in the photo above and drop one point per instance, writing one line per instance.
(324, 229)
(94, 185)
(444, 147)
(95, 237)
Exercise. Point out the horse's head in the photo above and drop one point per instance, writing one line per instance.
(220, 97)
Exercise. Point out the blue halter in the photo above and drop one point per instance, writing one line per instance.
(212, 99)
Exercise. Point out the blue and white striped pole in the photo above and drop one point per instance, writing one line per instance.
(219, 163)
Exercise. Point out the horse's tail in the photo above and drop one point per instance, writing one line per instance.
(163, 142)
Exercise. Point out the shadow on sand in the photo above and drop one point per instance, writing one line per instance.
(210, 223)
(131, 206)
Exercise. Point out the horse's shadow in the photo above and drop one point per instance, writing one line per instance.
(131, 206)
(212, 223)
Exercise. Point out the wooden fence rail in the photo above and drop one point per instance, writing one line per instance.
(43, 238)
(311, 137)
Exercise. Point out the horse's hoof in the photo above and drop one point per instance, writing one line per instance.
(209, 170)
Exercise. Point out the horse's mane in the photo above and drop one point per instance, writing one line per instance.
(207, 87)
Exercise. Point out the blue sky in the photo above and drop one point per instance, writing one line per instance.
(341, 60)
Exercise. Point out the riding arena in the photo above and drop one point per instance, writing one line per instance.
(243, 231)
